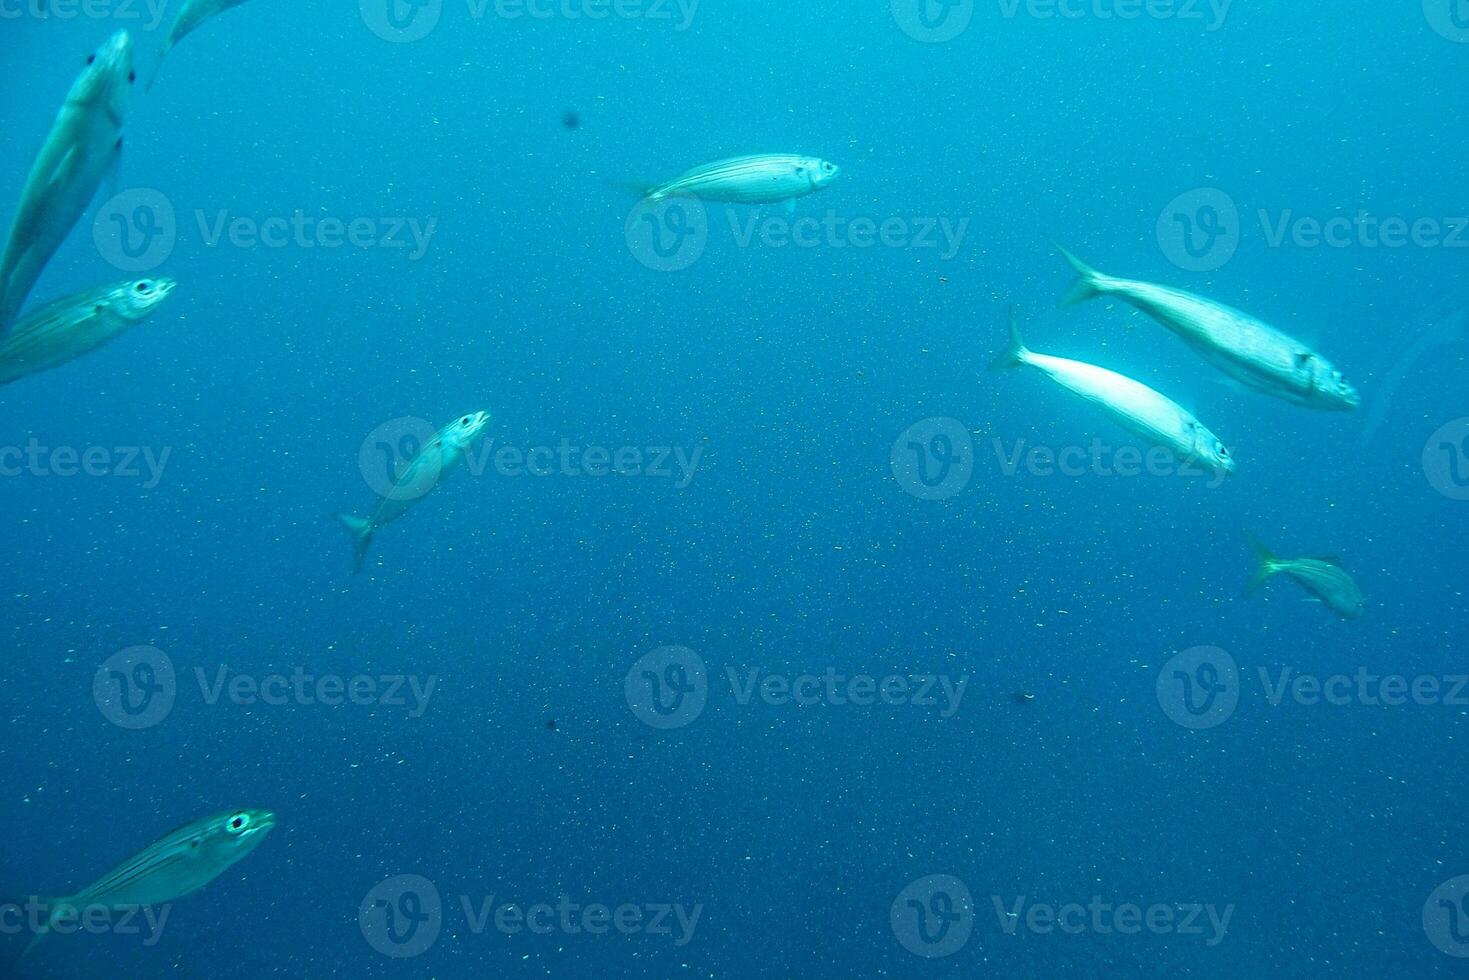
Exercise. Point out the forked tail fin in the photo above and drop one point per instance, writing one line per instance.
(361, 532)
(1089, 282)
(1267, 565)
(1014, 355)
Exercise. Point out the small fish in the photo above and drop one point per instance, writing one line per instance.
(1246, 349)
(68, 328)
(170, 868)
(421, 475)
(84, 144)
(763, 178)
(1324, 578)
(1139, 409)
(190, 16)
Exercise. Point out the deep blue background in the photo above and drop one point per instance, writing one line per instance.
(794, 548)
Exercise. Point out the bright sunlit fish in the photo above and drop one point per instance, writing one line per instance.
(1325, 579)
(1141, 410)
(84, 144)
(190, 16)
(420, 476)
(68, 328)
(170, 868)
(1248, 350)
(763, 178)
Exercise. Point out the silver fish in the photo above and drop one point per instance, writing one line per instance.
(1141, 410)
(190, 16)
(84, 144)
(1248, 350)
(762, 178)
(1325, 578)
(421, 475)
(170, 868)
(68, 328)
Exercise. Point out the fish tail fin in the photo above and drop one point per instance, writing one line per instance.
(1089, 282)
(646, 194)
(1016, 354)
(1267, 564)
(58, 909)
(157, 67)
(361, 532)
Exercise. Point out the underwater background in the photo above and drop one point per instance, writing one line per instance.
(803, 541)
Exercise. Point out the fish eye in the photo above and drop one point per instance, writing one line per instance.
(238, 822)
(828, 167)
(464, 421)
(132, 77)
(143, 286)
(91, 59)
(1222, 450)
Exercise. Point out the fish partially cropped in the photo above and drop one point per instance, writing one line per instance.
(1246, 349)
(418, 477)
(1141, 410)
(170, 868)
(190, 16)
(762, 178)
(68, 328)
(84, 144)
(1324, 578)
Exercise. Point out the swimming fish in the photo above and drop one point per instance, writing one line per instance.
(68, 328)
(763, 178)
(190, 16)
(1139, 409)
(433, 462)
(85, 143)
(176, 865)
(1325, 578)
(1248, 350)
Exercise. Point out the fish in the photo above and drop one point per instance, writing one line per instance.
(1141, 410)
(762, 178)
(420, 476)
(172, 867)
(84, 145)
(66, 329)
(190, 16)
(1246, 349)
(1326, 579)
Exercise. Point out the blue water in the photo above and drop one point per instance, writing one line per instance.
(795, 547)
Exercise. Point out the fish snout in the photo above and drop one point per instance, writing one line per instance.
(824, 173)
